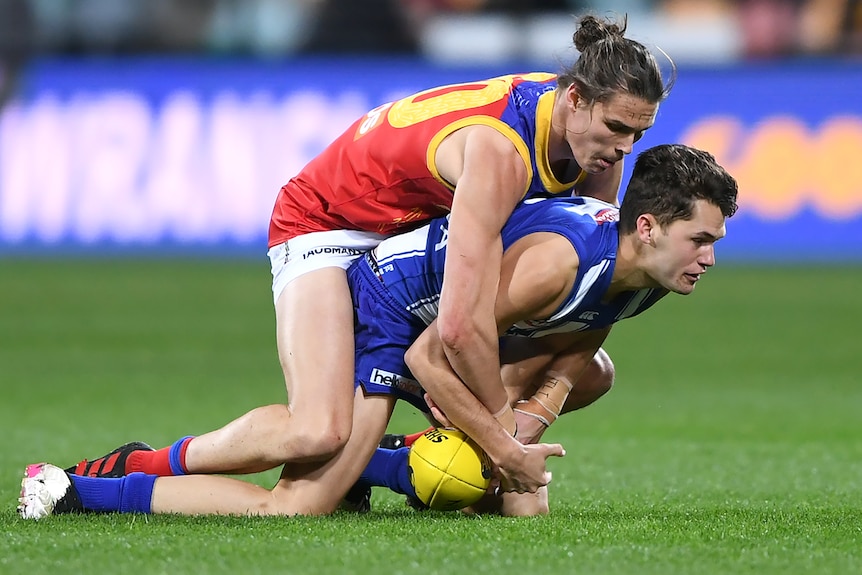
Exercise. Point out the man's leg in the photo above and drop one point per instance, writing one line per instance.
(594, 382)
(314, 327)
(314, 333)
(311, 488)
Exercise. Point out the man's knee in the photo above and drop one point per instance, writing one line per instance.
(297, 434)
(601, 374)
(320, 439)
(597, 380)
(292, 501)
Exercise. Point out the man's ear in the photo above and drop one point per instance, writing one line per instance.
(647, 227)
(572, 97)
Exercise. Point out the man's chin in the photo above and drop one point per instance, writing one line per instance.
(595, 169)
(681, 287)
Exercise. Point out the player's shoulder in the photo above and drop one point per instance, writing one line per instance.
(540, 80)
(531, 85)
(582, 209)
(583, 224)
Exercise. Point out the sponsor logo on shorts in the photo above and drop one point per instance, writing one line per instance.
(389, 379)
(332, 251)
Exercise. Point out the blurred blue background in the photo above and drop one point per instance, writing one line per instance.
(168, 126)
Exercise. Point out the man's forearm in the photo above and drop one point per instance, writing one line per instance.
(540, 376)
(478, 370)
(429, 364)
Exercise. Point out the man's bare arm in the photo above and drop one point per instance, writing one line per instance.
(536, 275)
(491, 178)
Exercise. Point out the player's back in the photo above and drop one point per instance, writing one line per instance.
(590, 225)
(381, 174)
(410, 266)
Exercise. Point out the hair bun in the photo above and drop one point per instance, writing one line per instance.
(592, 30)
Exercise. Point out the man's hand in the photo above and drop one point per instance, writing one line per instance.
(524, 473)
(437, 413)
(527, 472)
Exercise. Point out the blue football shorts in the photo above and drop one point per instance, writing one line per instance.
(384, 330)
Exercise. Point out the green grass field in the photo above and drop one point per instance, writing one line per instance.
(731, 443)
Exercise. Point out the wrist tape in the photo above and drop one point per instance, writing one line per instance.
(547, 403)
(506, 418)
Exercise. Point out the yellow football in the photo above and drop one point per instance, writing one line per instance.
(448, 470)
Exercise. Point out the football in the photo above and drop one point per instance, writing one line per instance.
(448, 470)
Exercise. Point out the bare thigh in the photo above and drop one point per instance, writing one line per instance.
(314, 333)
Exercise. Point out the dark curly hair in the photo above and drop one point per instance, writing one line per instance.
(666, 182)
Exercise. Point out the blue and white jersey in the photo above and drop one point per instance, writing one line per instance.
(410, 266)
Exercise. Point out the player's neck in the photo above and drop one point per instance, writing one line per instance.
(565, 170)
(628, 274)
(560, 155)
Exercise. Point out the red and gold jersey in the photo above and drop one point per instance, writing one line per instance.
(380, 175)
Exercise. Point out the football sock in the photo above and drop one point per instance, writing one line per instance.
(411, 439)
(388, 468)
(163, 462)
(130, 494)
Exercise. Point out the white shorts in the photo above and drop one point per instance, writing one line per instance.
(314, 251)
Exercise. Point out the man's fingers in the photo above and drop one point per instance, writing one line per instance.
(554, 449)
(505, 486)
(548, 449)
(437, 413)
(535, 461)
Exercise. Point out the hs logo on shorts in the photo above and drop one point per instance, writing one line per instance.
(389, 379)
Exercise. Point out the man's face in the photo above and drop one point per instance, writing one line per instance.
(601, 134)
(684, 249)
